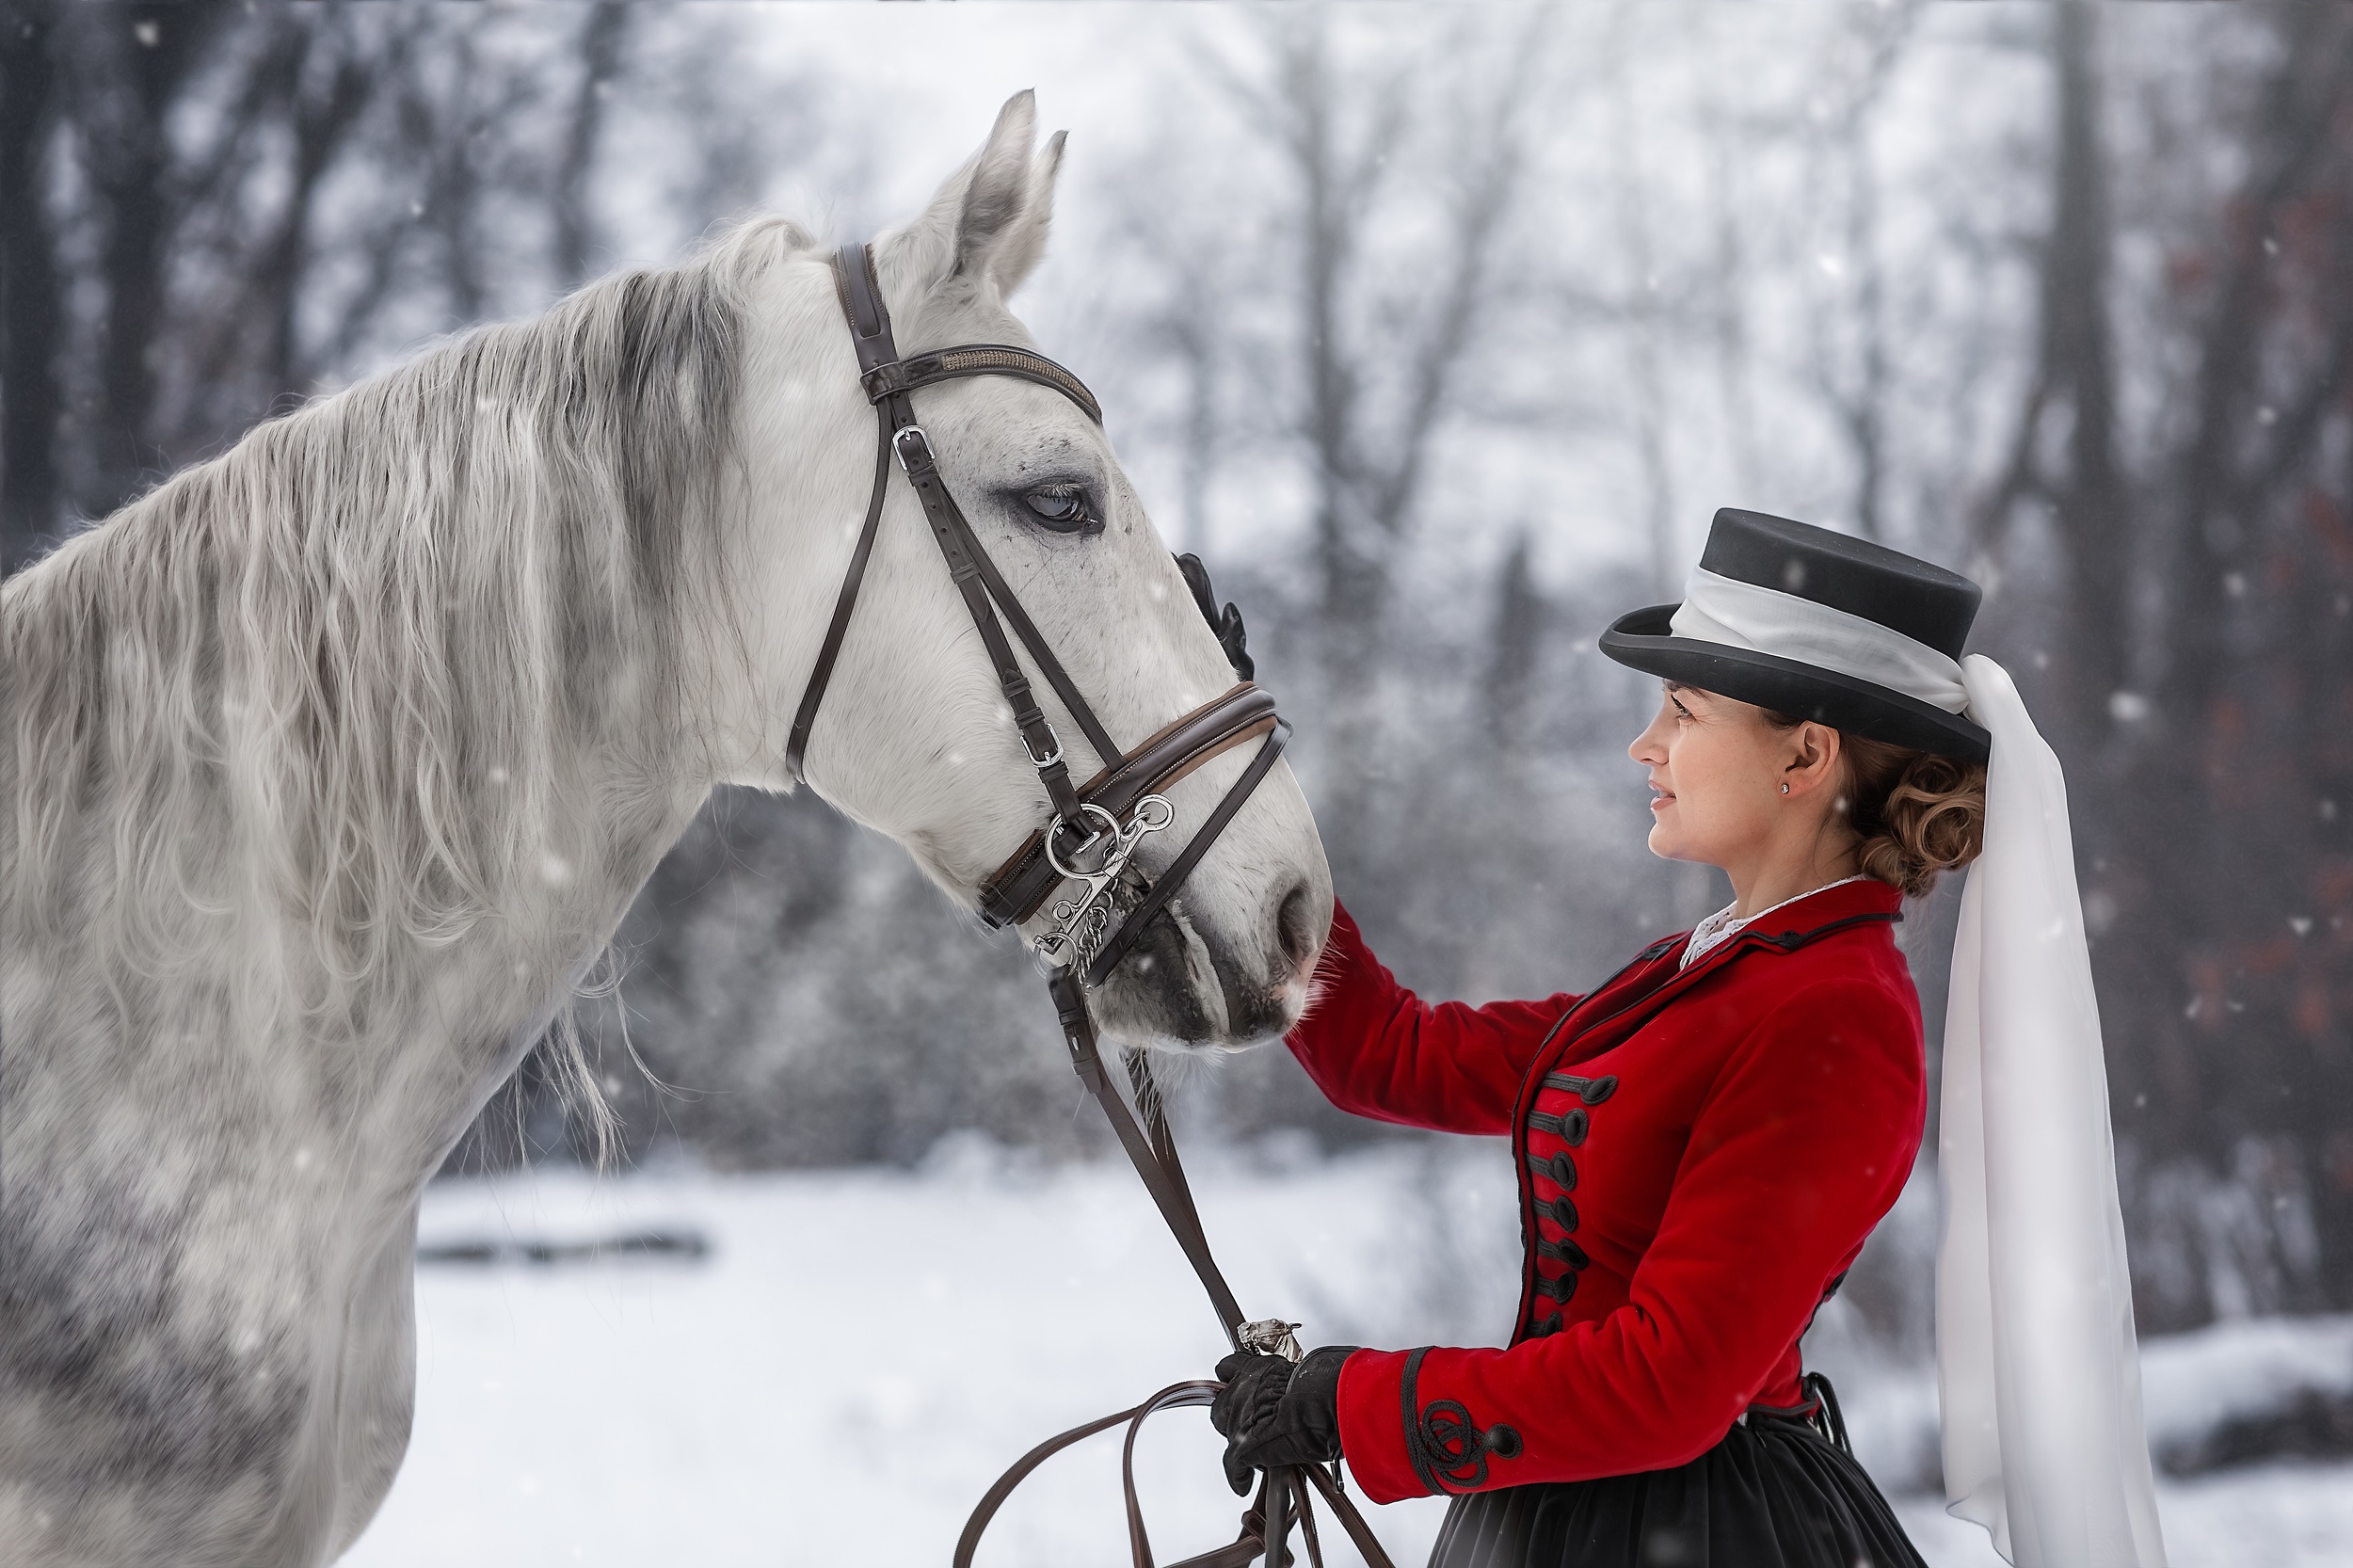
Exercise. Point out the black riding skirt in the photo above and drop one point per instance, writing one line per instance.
(1774, 1493)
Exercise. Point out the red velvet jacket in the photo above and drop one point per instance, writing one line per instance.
(1701, 1154)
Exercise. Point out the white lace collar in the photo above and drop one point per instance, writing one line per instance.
(1720, 927)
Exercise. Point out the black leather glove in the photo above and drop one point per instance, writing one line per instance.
(1274, 1415)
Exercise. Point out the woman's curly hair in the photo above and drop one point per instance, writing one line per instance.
(1916, 813)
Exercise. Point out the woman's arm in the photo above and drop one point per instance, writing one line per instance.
(1378, 1050)
(1801, 1148)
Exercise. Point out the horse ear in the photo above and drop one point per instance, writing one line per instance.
(1024, 244)
(990, 215)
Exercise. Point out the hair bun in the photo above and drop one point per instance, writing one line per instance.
(1917, 813)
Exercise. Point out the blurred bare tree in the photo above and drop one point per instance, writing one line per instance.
(2231, 960)
(1850, 327)
(1379, 349)
(209, 213)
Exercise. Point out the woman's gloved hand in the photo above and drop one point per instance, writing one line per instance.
(1274, 1415)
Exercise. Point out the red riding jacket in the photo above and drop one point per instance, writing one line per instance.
(1701, 1154)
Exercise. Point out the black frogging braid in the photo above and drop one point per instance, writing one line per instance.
(1571, 1128)
(1444, 1443)
(1592, 1091)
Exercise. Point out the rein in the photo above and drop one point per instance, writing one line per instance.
(1097, 830)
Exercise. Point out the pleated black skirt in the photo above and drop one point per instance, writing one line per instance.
(1774, 1493)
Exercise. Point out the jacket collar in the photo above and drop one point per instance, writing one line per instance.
(1781, 930)
(1807, 914)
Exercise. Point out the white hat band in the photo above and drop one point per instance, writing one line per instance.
(1740, 615)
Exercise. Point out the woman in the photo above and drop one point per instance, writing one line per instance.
(1704, 1141)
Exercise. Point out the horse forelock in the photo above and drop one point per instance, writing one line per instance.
(349, 677)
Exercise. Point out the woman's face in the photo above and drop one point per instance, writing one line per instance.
(1716, 775)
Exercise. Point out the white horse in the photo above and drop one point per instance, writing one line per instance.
(333, 761)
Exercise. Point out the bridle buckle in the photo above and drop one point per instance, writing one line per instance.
(899, 449)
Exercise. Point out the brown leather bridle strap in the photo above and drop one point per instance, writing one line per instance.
(968, 566)
(963, 553)
(1015, 889)
(1246, 1547)
(1162, 1176)
(1173, 877)
(1024, 628)
(979, 359)
(993, 1498)
(1019, 888)
(804, 718)
(1145, 1137)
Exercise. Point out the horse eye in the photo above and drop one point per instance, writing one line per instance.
(1063, 508)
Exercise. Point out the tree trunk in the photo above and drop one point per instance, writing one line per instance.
(29, 305)
(2094, 511)
(601, 41)
(142, 57)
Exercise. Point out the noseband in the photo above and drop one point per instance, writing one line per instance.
(1093, 839)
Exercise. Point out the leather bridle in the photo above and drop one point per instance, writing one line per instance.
(1084, 814)
(1097, 828)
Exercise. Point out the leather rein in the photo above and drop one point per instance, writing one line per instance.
(1097, 828)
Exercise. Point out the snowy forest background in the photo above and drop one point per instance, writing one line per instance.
(1440, 333)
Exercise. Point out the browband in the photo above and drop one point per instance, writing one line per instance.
(980, 359)
(883, 374)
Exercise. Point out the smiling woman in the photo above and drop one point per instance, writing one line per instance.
(1704, 1141)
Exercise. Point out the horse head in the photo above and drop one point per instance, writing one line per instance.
(915, 737)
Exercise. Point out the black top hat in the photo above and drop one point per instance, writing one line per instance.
(1812, 566)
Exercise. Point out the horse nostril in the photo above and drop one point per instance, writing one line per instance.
(1294, 926)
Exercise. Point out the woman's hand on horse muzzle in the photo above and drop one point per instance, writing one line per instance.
(1274, 1415)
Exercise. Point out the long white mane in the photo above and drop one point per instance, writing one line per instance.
(334, 681)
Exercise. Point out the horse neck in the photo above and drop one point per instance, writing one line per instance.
(366, 788)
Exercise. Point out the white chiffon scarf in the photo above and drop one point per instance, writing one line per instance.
(1717, 609)
(2037, 1367)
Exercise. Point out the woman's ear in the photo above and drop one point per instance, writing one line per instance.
(1813, 758)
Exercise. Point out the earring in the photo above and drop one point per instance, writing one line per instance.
(1785, 788)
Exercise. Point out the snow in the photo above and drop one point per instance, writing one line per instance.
(2190, 1385)
(2193, 1382)
(862, 1352)
(2283, 1515)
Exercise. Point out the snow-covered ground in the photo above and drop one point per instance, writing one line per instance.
(861, 1353)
